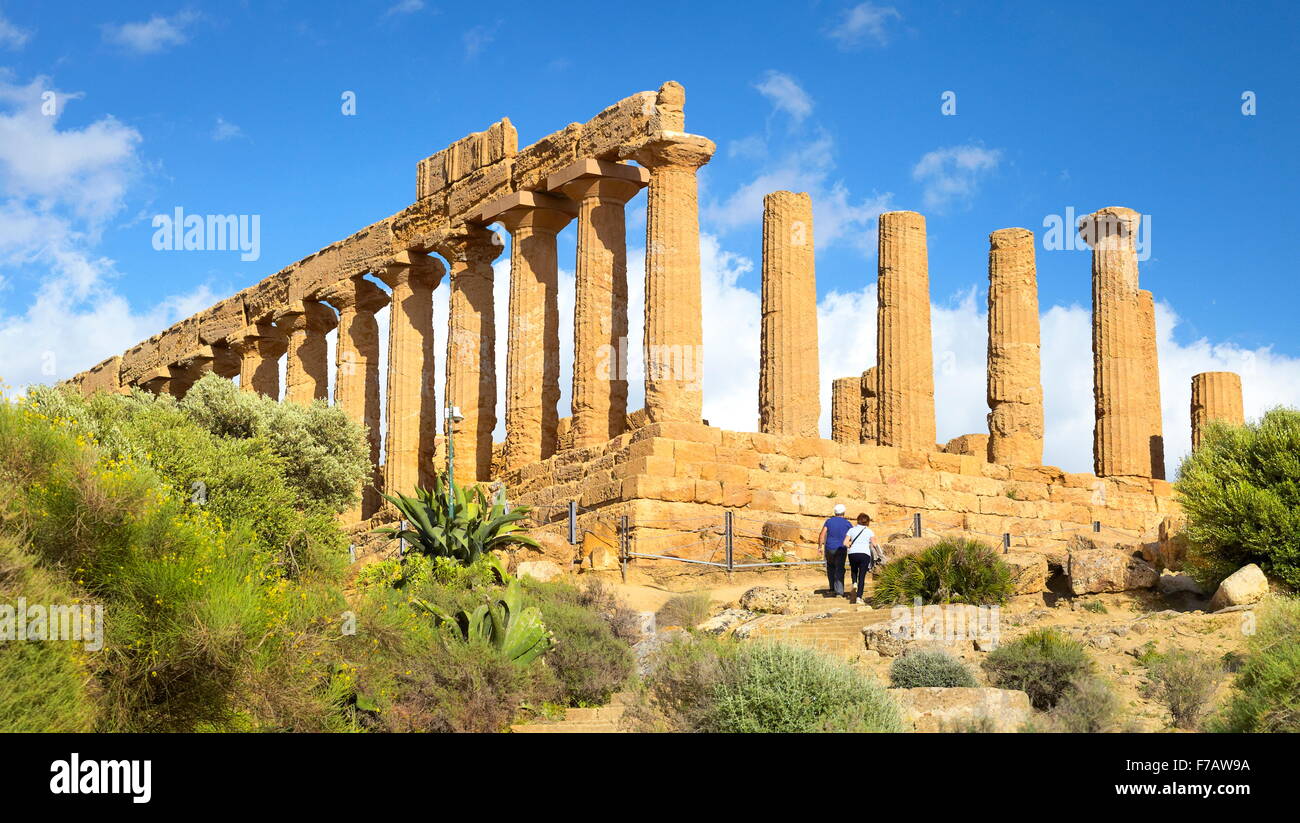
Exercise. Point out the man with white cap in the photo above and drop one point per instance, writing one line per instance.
(832, 541)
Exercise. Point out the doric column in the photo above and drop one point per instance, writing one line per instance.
(259, 348)
(601, 190)
(1015, 388)
(356, 378)
(846, 409)
(1216, 396)
(1154, 429)
(904, 360)
(412, 415)
(673, 348)
(788, 386)
(870, 406)
(471, 348)
(306, 371)
(1120, 438)
(533, 354)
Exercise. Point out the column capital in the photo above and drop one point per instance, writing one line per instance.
(355, 292)
(417, 269)
(1113, 228)
(671, 149)
(470, 244)
(306, 315)
(599, 180)
(263, 338)
(530, 210)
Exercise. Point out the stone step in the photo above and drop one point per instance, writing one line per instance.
(604, 714)
(565, 728)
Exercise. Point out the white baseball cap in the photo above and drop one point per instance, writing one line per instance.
(839, 508)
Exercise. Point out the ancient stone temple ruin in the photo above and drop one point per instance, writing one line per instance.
(661, 475)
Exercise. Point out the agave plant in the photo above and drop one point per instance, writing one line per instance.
(515, 631)
(457, 521)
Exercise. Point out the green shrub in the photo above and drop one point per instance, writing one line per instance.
(1096, 607)
(1043, 664)
(711, 685)
(588, 661)
(951, 571)
(1088, 706)
(1240, 491)
(1266, 690)
(684, 610)
(929, 667)
(459, 522)
(1184, 682)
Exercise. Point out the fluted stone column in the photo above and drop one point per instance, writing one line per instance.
(846, 409)
(673, 348)
(412, 414)
(259, 348)
(471, 384)
(870, 406)
(788, 401)
(356, 379)
(601, 190)
(1154, 423)
(1216, 397)
(904, 359)
(533, 355)
(1121, 445)
(306, 371)
(1015, 388)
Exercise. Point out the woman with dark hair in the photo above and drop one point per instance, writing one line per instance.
(859, 540)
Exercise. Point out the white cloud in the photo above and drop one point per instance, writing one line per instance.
(11, 36)
(58, 187)
(156, 34)
(951, 175)
(864, 23)
(785, 94)
(405, 7)
(225, 130)
(478, 38)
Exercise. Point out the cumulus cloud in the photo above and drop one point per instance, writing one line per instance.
(785, 94)
(151, 36)
(58, 187)
(864, 24)
(951, 176)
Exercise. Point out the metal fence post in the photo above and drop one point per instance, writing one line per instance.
(729, 534)
(1096, 525)
(573, 522)
(623, 545)
(916, 525)
(352, 552)
(401, 542)
(1006, 542)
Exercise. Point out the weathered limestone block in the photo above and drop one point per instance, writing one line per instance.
(936, 709)
(1015, 390)
(356, 379)
(600, 322)
(306, 371)
(139, 360)
(674, 337)
(1028, 571)
(870, 406)
(904, 361)
(1216, 396)
(1121, 444)
(267, 298)
(846, 409)
(1154, 425)
(788, 387)
(259, 348)
(412, 414)
(971, 445)
(624, 123)
(471, 347)
(1108, 570)
(1241, 588)
(773, 600)
(533, 355)
(465, 156)
(546, 157)
(104, 376)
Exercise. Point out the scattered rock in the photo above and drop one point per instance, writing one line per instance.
(1093, 570)
(1101, 641)
(1241, 588)
(542, 570)
(885, 639)
(773, 600)
(943, 709)
(727, 621)
(1028, 571)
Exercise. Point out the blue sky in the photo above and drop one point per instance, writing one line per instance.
(235, 108)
